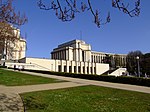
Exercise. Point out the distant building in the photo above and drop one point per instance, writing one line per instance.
(78, 50)
(75, 57)
(14, 50)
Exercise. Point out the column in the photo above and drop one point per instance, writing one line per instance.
(76, 55)
(77, 67)
(85, 67)
(81, 67)
(56, 66)
(67, 66)
(80, 55)
(93, 68)
(62, 57)
(89, 67)
(62, 66)
(100, 59)
(72, 66)
(85, 56)
(67, 57)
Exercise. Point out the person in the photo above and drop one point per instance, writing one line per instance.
(19, 67)
(14, 67)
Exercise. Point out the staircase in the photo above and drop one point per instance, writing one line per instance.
(118, 72)
(29, 66)
(109, 71)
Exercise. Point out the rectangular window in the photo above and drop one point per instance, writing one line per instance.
(83, 69)
(70, 69)
(75, 69)
(87, 70)
(65, 68)
(91, 71)
(83, 56)
(79, 69)
(59, 68)
(94, 70)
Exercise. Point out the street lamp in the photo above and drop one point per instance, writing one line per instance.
(138, 65)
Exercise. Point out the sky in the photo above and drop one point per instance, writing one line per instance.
(123, 34)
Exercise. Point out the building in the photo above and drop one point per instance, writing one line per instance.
(19, 48)
(12, 47)
(78, 50)
(74, 57)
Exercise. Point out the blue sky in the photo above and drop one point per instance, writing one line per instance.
(122, 35)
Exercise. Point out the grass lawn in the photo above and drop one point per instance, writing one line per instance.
(86, 99)
(11, 78)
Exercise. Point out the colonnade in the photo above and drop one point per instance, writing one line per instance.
(119, 59)
(76, 67)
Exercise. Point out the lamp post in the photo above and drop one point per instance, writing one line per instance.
(138, 65)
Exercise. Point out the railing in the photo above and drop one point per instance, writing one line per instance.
(25, 65)
(110, 71)
(41, 66)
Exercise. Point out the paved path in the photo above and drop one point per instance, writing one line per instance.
(97, 83)
(31, 88)
(10, 101)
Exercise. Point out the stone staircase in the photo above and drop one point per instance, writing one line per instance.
(30, 66)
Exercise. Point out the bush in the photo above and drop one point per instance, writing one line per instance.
(120, 79)
(3, 66)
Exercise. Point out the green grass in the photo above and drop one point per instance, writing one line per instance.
(11, 78)
(86, 99)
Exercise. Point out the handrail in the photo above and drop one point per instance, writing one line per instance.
(40, 66)
(27, 64)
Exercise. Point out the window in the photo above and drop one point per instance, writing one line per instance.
(79, 69)
(92, 58)
(91, 71)
(83, 56)
(74, 69)
(94, 70)
(65, 68)
(59, 68)
(87, 70)
(83, 69)
(70, 69)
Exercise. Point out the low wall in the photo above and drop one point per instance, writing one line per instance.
(60, 66)
(119, 72)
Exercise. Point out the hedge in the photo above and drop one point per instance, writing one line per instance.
(3, 66)
(121, 79)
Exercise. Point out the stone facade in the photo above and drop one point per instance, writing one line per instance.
(64, 66)
(73, 57)
(14, 50)
(78, 50)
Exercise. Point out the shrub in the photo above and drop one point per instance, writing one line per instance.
(120, 79)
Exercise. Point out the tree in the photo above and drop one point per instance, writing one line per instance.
(145, 64)
(8, 14)
(132, 61)
(108, 59)
(66, 10)
(8, 19)
(117, 60)
(8, 36)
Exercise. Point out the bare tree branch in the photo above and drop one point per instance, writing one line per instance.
(67, 9)
(8, 14)
(124, 8)
(8, 19)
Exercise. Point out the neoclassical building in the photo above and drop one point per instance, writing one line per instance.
(74, 56)
(13, 49)
(78, 50)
